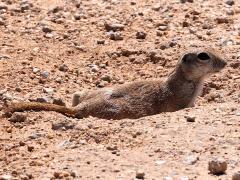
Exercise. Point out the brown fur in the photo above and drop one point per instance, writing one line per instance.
(143, 98)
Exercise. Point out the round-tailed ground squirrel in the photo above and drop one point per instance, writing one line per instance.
(142, 98)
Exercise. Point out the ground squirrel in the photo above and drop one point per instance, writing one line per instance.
(143, 98)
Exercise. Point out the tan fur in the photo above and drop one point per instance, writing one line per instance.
(143, 98)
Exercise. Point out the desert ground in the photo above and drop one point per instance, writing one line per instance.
(50, 49)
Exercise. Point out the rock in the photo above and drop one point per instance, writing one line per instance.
(156, 7)
(154, 57)
(45, 74)
(100, 41)
(35, 136)
(222, 20)
(3, 6)
(217, 166)
(160, 162)
(162, 28)
(18, 89)
(190, 118)
(59, 80)
(190, 160)
(140, 174)
(59, 101)
(25, 5)
(6, 177)
(111, 148)
(115, 35)
(56, 174)
(46, 29)
(48, 35)
(7, 96)
(30, 148)
(63, 68)
(64, 125)
(18, 117)
(230, 2)
(2, 23)
(185, 24)
(141, 35)
(43, 100)
(159, 33)
(48, 90)
(230, 12)
(113, 27)
(94, 68)
(63, 144)
(236, 176)
(106, 78)
(101, 84)
(35, 70)
(21, 143)
(77, 16)
(56, 9)
(226, 42)
(73, 174)
(207, 25)
(80, 47)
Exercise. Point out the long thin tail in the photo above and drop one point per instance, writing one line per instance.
(37, 106)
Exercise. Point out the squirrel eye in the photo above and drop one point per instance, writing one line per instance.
(203, 56)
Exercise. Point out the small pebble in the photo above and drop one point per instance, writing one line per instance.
(162, 28)
(3, 6)
(43, 100)
(45, 74)
(48, 90)
(190, 160)
(106, 78)
(49, 35)
(141, 35)
(77, 16)
(18, 117)
(35, 70)
(140, 174)
(2, 23)
(230, 2)
(190, 118)
(117, 36)
(94, 68)
(114, 27)
(100, 41)
(30, 148)
(156, 7)
(217, 166)
(230, 12)
(18, 89)
(63, 67)
(46, 29)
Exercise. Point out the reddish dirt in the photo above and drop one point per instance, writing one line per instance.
(49, 145)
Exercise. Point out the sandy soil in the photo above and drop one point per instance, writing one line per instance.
(51, 48)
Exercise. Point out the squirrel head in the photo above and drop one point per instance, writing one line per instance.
(199, 63)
